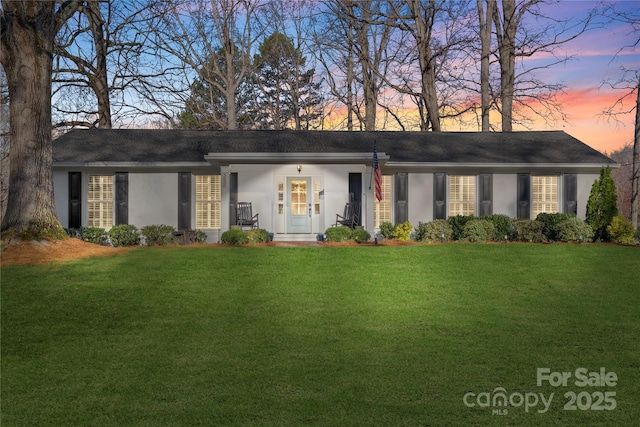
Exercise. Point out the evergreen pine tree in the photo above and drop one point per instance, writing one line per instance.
(601, 206)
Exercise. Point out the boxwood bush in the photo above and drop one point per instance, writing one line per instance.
(158, 235)
(94, 235)
(527, 230)
(433, 231)
(503, 226)
(199, 236)
(234, 236)
(478, 230)
(573, 229)
(360, 235)
(124, 235)
(386, 229)
(257, 235)
(551, 224)
(337, 234)
(457, 224)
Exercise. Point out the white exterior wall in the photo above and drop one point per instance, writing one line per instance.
(505, 194)
(153, 199)
(420, 198)
(585, 182)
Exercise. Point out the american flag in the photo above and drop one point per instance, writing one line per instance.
(377, 177)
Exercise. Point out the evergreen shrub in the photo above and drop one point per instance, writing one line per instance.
(160, 235)
(234, 236)
(478, 230)
(620, 230)
(433, 231)
(124, 235)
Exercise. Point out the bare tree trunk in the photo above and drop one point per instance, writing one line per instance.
(426, 60)
(635, 183)
(26, 50)
(99, 79)
(485, 39)
(507, 50)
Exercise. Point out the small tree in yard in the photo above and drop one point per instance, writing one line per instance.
(601, 206)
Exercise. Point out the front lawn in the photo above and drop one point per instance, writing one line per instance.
(345, 336)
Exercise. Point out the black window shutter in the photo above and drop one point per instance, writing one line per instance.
(184, 201)
(401, 197)
(485, 194)
(524, 195)
(355, 190)
(233, 198)
(571, 193)
(122, 198)
(75, 199)
(439, 195)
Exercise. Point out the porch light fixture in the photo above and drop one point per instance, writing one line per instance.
(299, 167)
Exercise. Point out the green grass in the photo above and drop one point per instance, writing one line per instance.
(345, 336)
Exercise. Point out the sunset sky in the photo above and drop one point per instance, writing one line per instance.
(595, 62)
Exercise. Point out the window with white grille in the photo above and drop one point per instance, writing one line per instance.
(462, 195)
(544, 195)
(100, 201)
(382, 208)
(208, 200)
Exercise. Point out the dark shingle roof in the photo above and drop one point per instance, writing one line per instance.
(145, 145)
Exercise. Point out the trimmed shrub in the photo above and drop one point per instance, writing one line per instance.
(479, 230)
(199, 236)
(551, 223)
(620, 230)
(360, 235)
(527, 230)
(74, 232)
(160, 235)
(94, 235)
(124, 235)
(257, 235)
(433, 231)
(573, 229)
(386, 229)
(234, 236)
(402, 231)
(637, 235)
(338, 234)
(502, 224)
(457, 224)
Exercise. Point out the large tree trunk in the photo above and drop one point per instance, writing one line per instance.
(99, 81)
(507, 50)
(635, 183)
(26, 54)
(485, 39)
(425, 58)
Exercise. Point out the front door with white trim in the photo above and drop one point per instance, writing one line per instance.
(298, 206)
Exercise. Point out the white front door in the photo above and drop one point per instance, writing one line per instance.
(298, 206)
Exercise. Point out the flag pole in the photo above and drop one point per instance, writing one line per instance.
(372, 166)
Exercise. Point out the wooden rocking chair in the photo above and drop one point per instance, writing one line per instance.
(350, 217)
(245, 217)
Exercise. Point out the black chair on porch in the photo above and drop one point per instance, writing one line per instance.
(350, 217)
(245, 216)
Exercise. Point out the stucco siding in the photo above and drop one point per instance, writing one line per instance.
(153, 199)
(585, 182)
(420, 198)
(505, 190)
